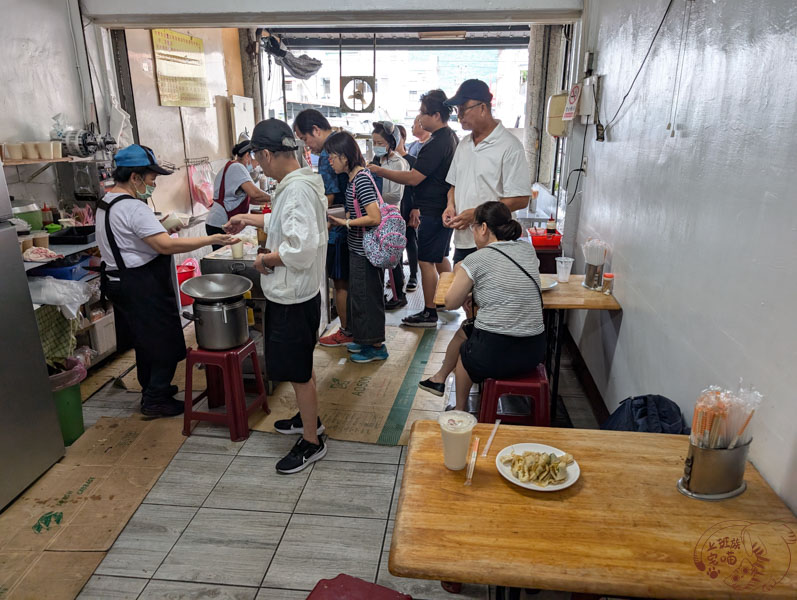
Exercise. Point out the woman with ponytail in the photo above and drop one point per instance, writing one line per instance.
(506, 339)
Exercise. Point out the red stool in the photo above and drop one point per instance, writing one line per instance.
(225, 379)
(534, 386)
(346, 587)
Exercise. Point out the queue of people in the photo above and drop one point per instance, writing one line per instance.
(443, 186)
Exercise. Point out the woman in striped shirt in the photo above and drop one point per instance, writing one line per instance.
(366, 301)
(507, 337)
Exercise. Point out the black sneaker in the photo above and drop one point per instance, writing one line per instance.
(412, 284)
(395, 303)
(434, 388)
(302, 455)
(294, 425)
(168, 407)
(425, 318)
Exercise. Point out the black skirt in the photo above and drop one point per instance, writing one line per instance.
(487, 355)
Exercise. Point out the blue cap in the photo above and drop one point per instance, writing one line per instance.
(139, 156)
(472, 89)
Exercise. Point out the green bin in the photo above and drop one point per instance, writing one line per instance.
(69, 407)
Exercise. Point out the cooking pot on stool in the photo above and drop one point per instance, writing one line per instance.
(219, 310)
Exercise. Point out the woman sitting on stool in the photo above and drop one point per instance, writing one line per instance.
(506, 339)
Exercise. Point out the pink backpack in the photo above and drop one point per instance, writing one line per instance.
(384, 244)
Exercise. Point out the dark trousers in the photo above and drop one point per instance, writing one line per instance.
(366, 303)
(155, 378)
(398, 279)
(412, 243)
(212, 231)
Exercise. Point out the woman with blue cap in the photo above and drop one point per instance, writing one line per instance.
(138, 275)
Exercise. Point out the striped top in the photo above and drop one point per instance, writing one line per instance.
(508, 301)
(366, 194)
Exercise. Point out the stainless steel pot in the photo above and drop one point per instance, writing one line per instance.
(218, 287)
(220, 325)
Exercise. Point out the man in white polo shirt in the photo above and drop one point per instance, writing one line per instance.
(489, 164)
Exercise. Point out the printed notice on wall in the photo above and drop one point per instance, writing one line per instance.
(180, 69)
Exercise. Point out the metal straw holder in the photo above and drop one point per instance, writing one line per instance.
(593, 277)
(714, 473)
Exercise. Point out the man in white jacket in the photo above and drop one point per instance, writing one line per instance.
(291, 274)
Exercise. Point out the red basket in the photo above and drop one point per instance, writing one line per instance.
(541, 239)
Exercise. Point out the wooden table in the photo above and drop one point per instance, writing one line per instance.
(621, 529)
(565, 296)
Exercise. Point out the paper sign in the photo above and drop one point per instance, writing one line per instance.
(572, 103)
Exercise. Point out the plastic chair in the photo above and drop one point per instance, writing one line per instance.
(346, 587)
(229, 384)
(534, 386)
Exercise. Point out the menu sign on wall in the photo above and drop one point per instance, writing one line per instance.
(180, 69)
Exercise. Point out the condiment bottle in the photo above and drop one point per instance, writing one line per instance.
(550, 228)
(608, 283)
(47, 215)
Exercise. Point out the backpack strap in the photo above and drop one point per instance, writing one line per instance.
(356, 202)
(537, 285)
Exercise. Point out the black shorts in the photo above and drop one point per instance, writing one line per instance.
(461, 253)
(487, 355)
(433, 238)
(338, 254)
(291, 332)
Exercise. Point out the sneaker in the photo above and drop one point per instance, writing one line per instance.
(412, 284)
(167, 407)
(301, 456)
(370, 354)
(434, 388)
(354, 348)
(424, 318)
(294, 425)
(395, 303)
(339, 338)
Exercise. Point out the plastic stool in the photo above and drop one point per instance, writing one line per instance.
(230, 385)
(346, 587)
(534, 386)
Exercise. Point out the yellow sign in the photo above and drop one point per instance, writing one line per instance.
(180, 68)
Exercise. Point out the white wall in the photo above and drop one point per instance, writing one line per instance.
(703, 224)
(39, 78)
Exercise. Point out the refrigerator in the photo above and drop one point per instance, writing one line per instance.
(30, 437)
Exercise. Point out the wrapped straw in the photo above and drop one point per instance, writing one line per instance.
(722, 417)
(595, 251)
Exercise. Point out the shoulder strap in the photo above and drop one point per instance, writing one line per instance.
(537, 285)
(356, 201)
(106, 206)
(222, 189)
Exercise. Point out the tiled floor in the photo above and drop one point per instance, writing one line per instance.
(221, 523)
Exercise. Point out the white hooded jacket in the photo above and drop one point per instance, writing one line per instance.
(298, 231)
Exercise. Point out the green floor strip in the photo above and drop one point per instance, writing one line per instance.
(394, 426)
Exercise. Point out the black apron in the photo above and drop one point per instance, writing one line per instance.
(145, 297)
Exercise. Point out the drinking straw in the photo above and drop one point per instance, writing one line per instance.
(490, 439)
(474, 450)
(741, 430)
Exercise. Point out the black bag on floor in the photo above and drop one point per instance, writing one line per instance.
(651, 413)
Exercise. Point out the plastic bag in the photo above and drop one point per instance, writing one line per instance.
(75, 373)
(85, 355)
(66, 295)
(201, 188)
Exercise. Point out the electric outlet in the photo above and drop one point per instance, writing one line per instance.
(584, 167)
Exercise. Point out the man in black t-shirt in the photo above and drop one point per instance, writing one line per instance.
(428, 177)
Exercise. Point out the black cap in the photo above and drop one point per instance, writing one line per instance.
(472, 89)
(273, 135)
(241, 148)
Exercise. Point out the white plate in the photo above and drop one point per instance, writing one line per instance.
(573, 470)
(548, 282)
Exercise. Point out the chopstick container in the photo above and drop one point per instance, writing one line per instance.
(593, 277)
(714, 473)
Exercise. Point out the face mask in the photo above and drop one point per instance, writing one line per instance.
(380, 151)
(146, 194)
(250, 168)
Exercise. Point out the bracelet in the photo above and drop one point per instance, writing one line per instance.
(347, 224)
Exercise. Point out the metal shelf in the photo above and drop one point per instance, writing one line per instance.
(35, 161)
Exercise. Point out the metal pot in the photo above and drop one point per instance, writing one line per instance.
(220, 325)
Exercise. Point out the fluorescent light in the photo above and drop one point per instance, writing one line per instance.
(442, 35)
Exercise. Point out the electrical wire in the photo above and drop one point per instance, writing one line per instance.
(579, 169)
(644, 60)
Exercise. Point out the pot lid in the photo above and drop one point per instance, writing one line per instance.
(218, 286)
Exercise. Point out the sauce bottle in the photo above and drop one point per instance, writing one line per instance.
(47, 215)
(550, 228)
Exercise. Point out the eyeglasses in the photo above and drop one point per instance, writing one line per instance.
(461, 110)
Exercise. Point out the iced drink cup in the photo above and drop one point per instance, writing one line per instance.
(237, 249)
(455, 428)
(563, 267)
